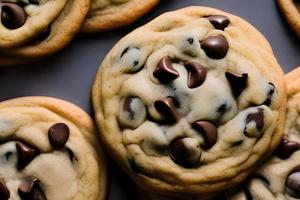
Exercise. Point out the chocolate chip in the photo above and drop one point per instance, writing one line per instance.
(209, 132)
(271, 90)
(127, 107)
(287, 148)
(30, 190)
(13, 16)
(58, 134)
(292, 184)
(218, 21)
(25, 155)
(4, 192)
(164, 70)
(196, 74)
(238, 82)
(35, 2)
(167, 108)
(190, 40)
(215, 47)
(183, 154)
(258, 118)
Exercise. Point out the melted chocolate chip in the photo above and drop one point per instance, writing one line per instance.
(181, 154)
(25, 155)
(219, 21)
(13, 16)
(215, 47)
(4, 192)
(258, 118)
(287, 148)
(30, 190)
(167, 108)
(58, 134)
(271, 90)
(238, 82)
(209, 132)
(127, 107)
(196, 74)
(292, 184)
(164, 70)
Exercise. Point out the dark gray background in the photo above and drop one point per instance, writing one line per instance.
(69, 74)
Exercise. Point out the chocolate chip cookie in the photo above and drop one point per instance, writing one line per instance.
(110, 14)
(279, 177)
(190, 102)
(32, 29)
(291, 11)
(49, 150)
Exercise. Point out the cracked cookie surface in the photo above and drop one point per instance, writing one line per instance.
(32, 29)
(279, 177)
(106, 15)
(190, 102)
(49, 151)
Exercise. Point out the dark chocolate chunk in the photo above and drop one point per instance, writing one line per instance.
(13, 16)
(167, 108)
(271, 90)
(30, 190)
(25, 155)
(209, 132)
(58, 134)
(218, 21)
(215, 47)
(4, 192)
(180, 153)
(196, 74)
(292, 184)
(164, 70)
(287, 148)
(238, 82)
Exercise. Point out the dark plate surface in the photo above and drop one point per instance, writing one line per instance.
(69, 74)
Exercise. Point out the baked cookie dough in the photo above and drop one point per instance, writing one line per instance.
(49, 151)
(291, 11)
(32, 29)
(110, 14)
(190, 102)
(279, 177)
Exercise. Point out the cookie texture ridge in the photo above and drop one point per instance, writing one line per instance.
(279, 177)
(49, 150)
(191, 102)
(106, 15)
(31, 30)
(291, 11)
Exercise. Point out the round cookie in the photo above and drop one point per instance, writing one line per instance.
(33, 29)
(49, 150)
(190, 102)
(291, 11)
(106, 15)
(279, 177)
